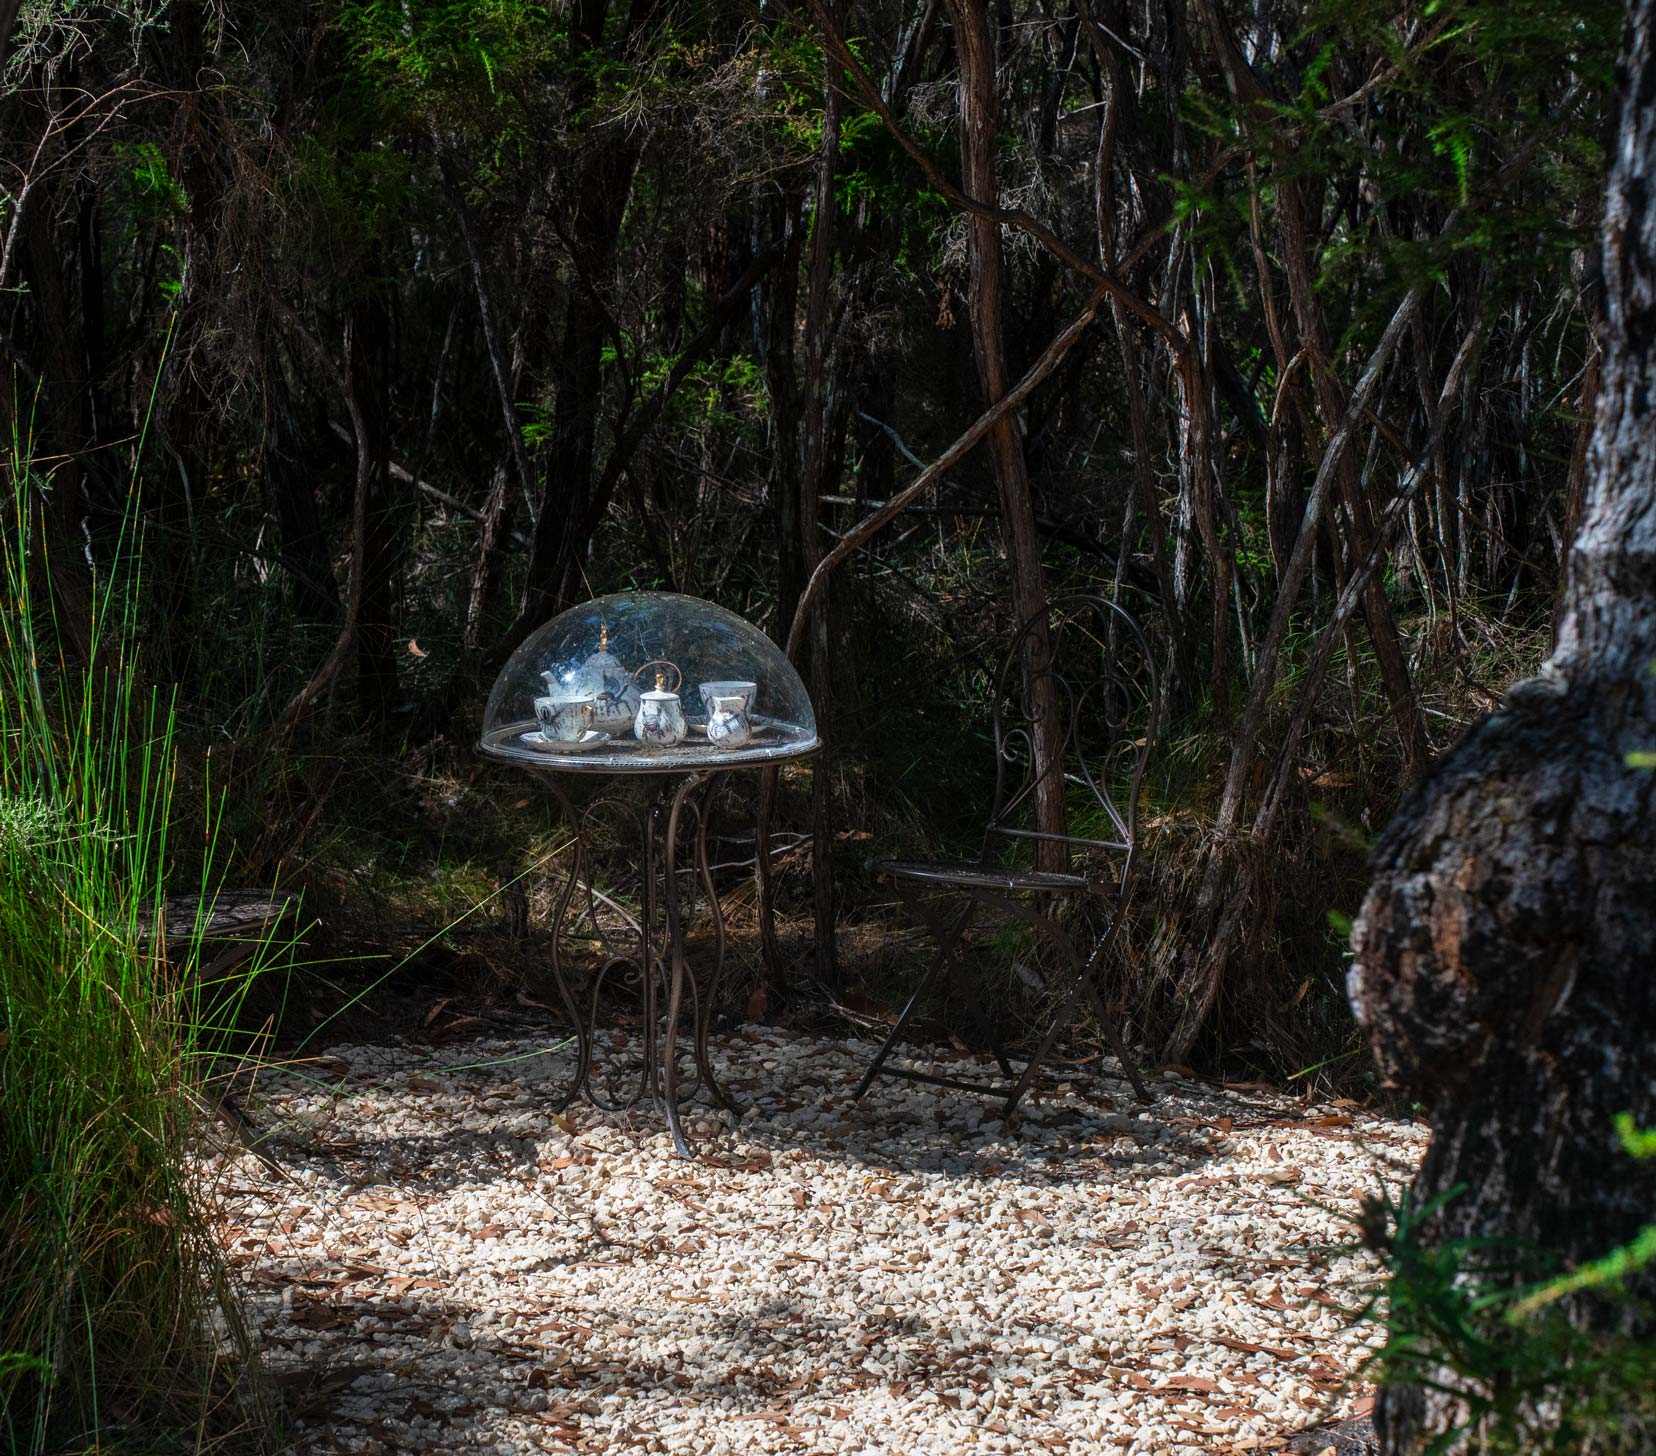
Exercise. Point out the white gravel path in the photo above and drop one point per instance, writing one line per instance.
(452, 1268)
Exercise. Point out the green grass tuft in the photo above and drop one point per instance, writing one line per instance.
(118, 1326)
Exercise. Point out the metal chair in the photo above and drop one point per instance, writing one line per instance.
(1101, 760)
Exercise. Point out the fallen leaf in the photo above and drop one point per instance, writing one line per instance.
(1247, 1347)
(1198, 1383)
(751, 1163)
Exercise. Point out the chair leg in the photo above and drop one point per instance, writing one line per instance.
(1112, 1033)
(997, 1048)
(1081, 985)
(1060, 1018)
(947, 943)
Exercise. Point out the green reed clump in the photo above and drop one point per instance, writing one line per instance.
(118, 1327)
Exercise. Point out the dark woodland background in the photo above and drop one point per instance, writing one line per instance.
(398, 327)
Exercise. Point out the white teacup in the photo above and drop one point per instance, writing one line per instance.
(564, 719)
(743, 690)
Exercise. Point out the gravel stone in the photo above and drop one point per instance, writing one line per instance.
(449, 1266)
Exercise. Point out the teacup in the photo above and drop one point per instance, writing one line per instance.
(742, 690)
(564, 719)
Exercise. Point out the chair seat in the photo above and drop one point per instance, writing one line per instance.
(986, 877)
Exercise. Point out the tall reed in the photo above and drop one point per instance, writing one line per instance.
(118, 1326)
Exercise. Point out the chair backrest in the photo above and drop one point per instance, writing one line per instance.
(1094, 672)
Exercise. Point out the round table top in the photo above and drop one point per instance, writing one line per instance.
(772, 743)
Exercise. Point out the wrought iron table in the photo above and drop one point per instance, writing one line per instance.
(720, 652)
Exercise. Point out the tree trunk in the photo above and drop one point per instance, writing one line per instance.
(290, 491)
(1295, 228)
(781, 311)
(369, 370)
(975, 46)
(819, 474)
(1504, 951)
(602, 189)
(61, 435)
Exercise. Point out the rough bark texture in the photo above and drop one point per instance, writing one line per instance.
(1504, 952)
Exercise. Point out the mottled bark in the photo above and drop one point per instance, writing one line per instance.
(1504, 951)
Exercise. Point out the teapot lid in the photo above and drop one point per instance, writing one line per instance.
(659, 693)
(603, 660)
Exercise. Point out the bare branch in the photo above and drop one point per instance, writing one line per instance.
(870, 526)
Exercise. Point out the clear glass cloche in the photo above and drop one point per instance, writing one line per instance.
(644, 682)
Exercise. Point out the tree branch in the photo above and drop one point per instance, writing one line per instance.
(870, 525)
(869, 95)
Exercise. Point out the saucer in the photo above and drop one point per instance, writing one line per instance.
(534, 738)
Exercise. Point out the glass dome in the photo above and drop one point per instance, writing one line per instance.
(647, 682)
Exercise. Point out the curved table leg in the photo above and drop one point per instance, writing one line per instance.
(675, 956)
(650, 960)
(583, 1028)
(661, 961)
(707, 997)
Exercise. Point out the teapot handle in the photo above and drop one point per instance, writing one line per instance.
(661, 662)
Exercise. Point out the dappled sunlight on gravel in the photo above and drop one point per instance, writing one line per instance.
(450, 1267)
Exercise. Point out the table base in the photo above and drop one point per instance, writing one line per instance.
(655, 958)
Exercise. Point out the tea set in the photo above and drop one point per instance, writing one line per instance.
(603, 702)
